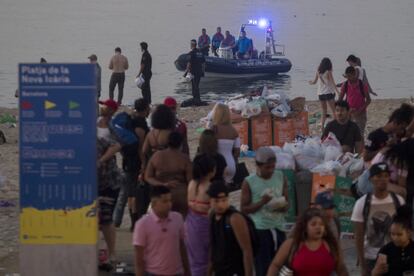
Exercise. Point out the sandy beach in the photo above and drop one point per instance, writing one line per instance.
(378, 113)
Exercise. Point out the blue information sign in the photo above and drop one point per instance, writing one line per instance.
(58, 186)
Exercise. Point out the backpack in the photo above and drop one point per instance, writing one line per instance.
(367, 206)
(254, 236)
(122, 126)
(361, 88)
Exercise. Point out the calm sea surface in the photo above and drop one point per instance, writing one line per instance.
(381, 32)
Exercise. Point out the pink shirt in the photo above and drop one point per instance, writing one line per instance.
(353, 95)
(161, 241)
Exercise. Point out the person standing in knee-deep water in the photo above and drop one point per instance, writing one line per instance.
(118, 64)
(195, 67)
(145, 70)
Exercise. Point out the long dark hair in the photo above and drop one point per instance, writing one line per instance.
(203, 164)
(299, 234)
(208, 142)
(163, 118)
(325, 65)
(402, 154)
(403, 217)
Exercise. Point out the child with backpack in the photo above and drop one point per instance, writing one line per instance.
(372, 217)
(356, 94)
(233, 238)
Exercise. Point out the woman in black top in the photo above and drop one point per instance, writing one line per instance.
(397, 257)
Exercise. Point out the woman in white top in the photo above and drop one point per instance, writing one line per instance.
(227, 138)
(326, 88)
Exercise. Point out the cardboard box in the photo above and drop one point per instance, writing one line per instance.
(261, 127)
(282, 131)
(300, 124)
(242, 128)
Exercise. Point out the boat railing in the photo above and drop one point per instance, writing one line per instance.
(280, 50)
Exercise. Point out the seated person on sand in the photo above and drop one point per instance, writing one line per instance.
(244, 46)
(346, 131)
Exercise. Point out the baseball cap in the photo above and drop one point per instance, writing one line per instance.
(378, 168)
(376, 140)
(93, 57)
(170, 102)
(265, 155)
(216, 188)
(325, 199)
(110, 103)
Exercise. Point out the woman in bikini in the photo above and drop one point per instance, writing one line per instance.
(197, 222)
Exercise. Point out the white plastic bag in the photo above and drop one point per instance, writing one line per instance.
(237, 105)
(313, 147)
(284, 161)
(251, 109)
(330, 168)
(332, 153)
(139, 81)
(331, 140)
(305, 162)
(280, 111)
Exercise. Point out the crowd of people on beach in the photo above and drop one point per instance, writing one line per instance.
(179, 201)
(180, 212)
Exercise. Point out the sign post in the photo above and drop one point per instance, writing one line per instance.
(58, 185)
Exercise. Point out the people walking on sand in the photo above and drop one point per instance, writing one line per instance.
(146, 71)
(326, 88)
(356, 94)
(397, 257)
(118, 64)
(197, 222)
(228, 140)
(172, 168)
(264, 197)
(208, 144)
(196, 68)
(372, 215)
(159, 239)
(312, 249)
(204, 42)
(131, 164)
(216, 41)
(230, 236)
(362, 75)
(94, 60)
(346, 131)
(162, 123)
(180, 125)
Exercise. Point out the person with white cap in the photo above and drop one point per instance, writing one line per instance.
(264, 197)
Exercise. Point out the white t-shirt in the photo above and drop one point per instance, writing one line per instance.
(379, 222)
(324, 86)
(360, 72)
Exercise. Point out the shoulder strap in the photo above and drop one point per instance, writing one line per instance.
(365, 210)
(395, 199)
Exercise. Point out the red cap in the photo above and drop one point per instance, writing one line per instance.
(110, 103)
(170, 102)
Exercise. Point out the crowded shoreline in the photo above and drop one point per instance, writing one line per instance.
(378, 111)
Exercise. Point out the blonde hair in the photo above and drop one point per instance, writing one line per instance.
(221, 115)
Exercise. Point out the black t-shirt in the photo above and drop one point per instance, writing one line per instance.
(377, 139)
(146, 60)
(196, 60)
(398, 259)
(140, 122)
(347, 134)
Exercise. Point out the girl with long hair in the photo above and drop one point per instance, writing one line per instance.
(397, 257)
(312, 249)
(326, 88)
(197, 221)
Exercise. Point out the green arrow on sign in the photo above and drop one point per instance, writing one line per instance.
(73, 105)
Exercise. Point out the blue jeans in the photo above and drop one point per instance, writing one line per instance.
(269, 243)
(127, 190)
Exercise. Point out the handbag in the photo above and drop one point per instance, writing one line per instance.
(139, 81)
(241, 174)
(285, 270)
